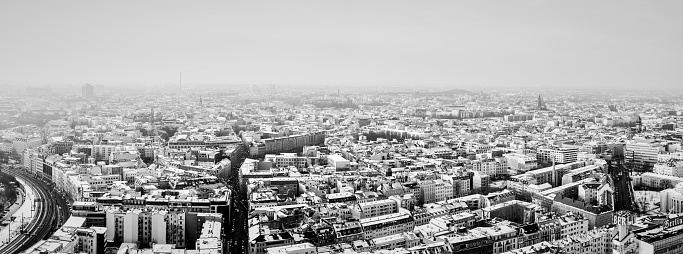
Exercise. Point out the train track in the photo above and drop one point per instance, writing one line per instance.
(50, 212)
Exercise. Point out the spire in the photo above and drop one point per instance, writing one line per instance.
(201, 104)
(151, 119)
(554, 175)
(541, 104)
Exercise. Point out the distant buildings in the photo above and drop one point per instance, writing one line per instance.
(395, 174)
(518, 118)
(87, 91)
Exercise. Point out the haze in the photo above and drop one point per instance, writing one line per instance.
(549, 44)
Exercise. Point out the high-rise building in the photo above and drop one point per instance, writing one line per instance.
(87, 91)
(643, 153)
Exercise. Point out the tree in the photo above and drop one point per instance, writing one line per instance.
(144, 132)
(170, 130)
(223, 133)
(237, 129)
(4, 157)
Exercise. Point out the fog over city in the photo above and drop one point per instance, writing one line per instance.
(341, 127)
(464, 44)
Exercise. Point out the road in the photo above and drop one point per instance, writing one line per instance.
(237, 235)
(238, 228)
(22, 214)
(50, 212)
(15, 207)
(623, 189)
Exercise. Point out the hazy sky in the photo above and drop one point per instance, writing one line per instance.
(503, 43)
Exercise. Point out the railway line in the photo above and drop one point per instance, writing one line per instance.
(51, 211)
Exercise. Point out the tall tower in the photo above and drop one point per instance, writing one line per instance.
(201, 103)
(87, 91)
(151, 119)
(180, 84)
(554, 174)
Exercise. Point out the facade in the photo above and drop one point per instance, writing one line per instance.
(672, 167)
(374, 208)
(588, 242)
(671, 200)
(571, 225)
(87, 91)
(338, 162)
(518, 118)
(386, 225)
(516, 211)
(435, 190)
(597, 216)
(521, 162)
(491, 167)
(91, 240)
(402, 240)
(664, 239)
(102, 152)
(349, 231)
(643, 153)
(657, 181)
(6, 146)
(300, 248)
(260, 244)
(146, 226)
(23, 143)
(288, 159)
(287, 143)
(560, 155)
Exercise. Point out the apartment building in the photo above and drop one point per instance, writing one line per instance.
(374, 208)
(491, 167)
(643, 153)
(386, 225)
(91, 240)
(435, 190)
(147, 226)
(560, 155)
(287, 160)
(23, 143)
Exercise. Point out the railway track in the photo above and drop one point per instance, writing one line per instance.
(51, 211)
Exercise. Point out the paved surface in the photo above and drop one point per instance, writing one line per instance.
(49, 212)
(24, 211)
(15, 206)
(236, 233)
(623, 189)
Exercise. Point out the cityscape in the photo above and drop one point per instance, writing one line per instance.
(167, 127)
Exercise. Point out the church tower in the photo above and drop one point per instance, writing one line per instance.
(541, 103)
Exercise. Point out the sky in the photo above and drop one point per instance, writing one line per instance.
(463, 44)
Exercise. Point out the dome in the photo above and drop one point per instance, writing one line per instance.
(679, 187)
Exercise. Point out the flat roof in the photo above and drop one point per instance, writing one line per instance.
(384, 218)
(75, 222)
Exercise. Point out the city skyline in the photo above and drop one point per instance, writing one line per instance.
(341, 127)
